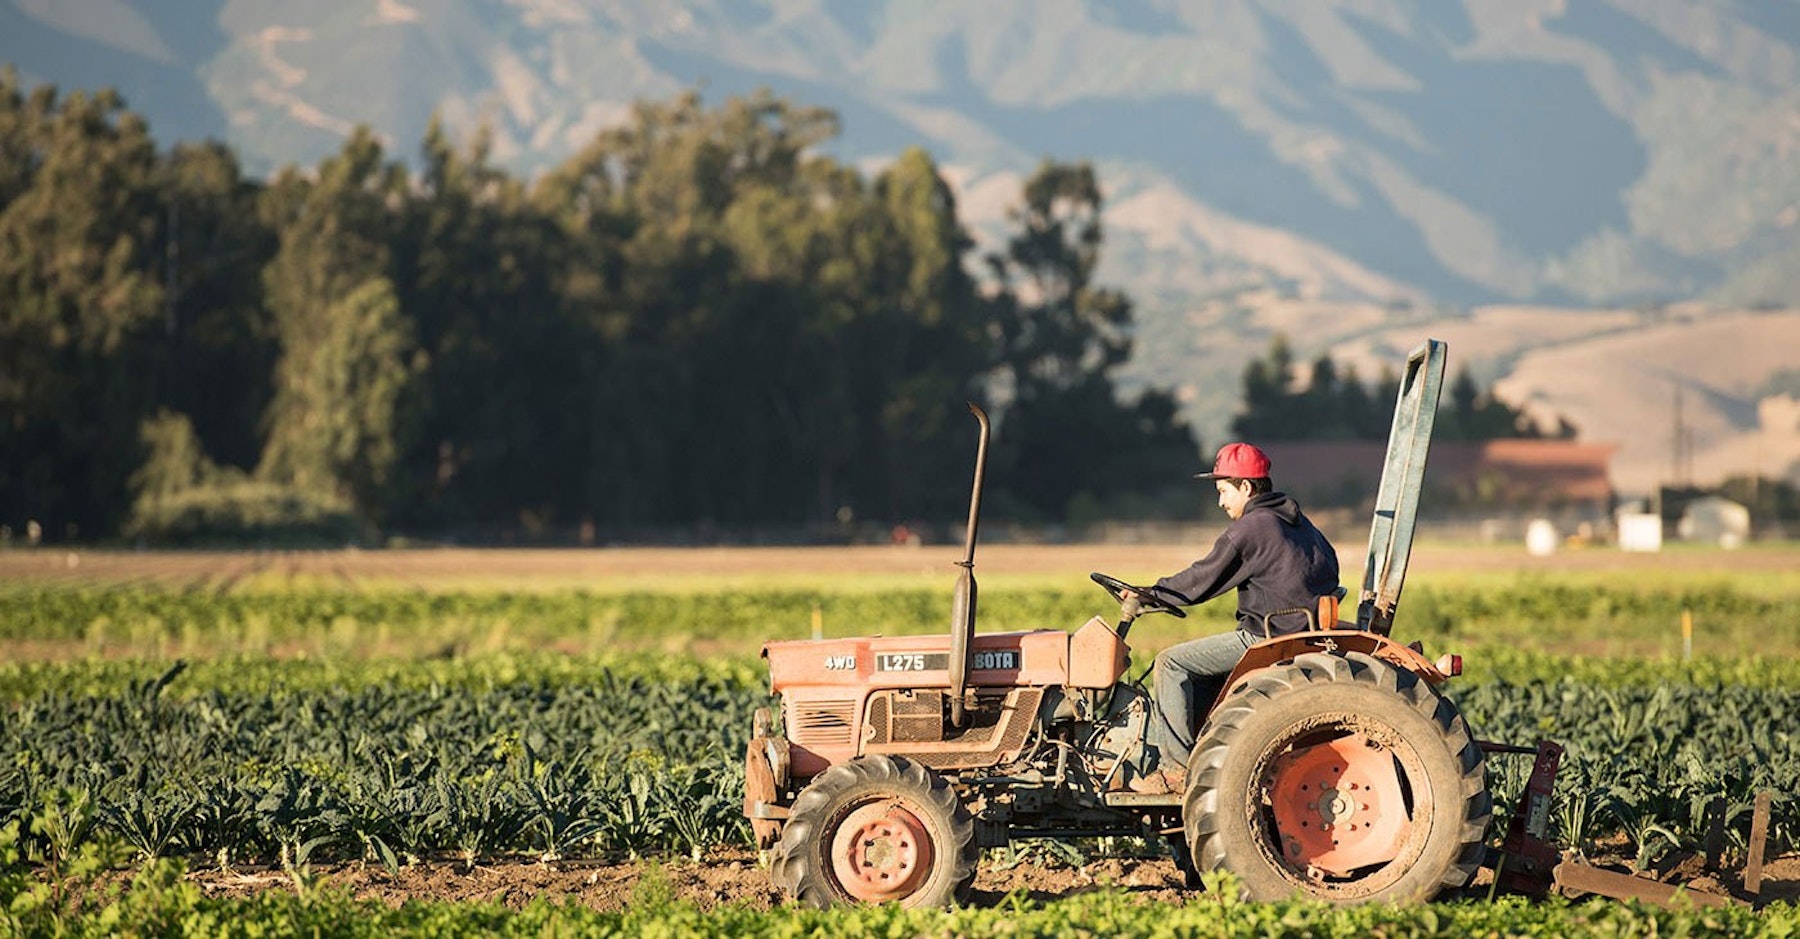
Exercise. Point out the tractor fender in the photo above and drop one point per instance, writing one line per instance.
(1332, 641)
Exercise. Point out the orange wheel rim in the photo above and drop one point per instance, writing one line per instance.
(881, 852)
(1338, 806)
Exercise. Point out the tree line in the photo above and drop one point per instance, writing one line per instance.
(1334, 403)
(696, 321)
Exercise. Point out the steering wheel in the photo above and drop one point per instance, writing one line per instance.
(1148, 601)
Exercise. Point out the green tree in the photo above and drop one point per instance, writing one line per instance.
(698, 318)
(1059, 337)
(1324, 400)
(694, 412)
(925, 346)
(1056, 327)
(216, 343)
(1474, 414)
(1768, 499)
(1336, 406)
(77, 299)
(1272, 409)
(1387, 395)
(778, 337)
(338, 420)
(344, 386)
(474, 266)
(182, 497)
(1363, 415)
(1461, 415)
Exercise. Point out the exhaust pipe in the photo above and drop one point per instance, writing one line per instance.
(962, 607)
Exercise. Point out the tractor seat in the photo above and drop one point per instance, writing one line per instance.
(1322, 616)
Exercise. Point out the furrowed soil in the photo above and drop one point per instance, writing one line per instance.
(724, 875)
(736, 876)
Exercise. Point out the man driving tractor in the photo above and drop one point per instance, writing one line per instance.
(890, 762)
(1280, 565)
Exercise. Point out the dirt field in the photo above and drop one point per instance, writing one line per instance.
(735, 876)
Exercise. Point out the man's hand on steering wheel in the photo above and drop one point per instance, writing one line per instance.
(1135, 601)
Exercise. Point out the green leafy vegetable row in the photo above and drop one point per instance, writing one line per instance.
(1563, 616)
(384, 771)
(553, 757)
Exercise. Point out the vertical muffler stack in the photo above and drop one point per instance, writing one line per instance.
(962, 606)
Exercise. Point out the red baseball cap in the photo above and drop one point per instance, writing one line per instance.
(1238, 461)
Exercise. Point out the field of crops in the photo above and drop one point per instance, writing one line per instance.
(168, 719)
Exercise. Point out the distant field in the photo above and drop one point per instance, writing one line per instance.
(715, 602)
(825, 568)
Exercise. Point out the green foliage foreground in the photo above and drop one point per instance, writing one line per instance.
(453, 751)
(159, 902)
(551, 757)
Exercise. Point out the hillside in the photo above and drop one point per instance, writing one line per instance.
(1596, 152)
(1615, 374)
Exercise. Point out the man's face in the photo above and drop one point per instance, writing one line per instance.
(1232, 497)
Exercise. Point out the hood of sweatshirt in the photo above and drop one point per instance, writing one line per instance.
(1280, 503)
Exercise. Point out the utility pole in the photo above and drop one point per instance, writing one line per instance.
(1679, 455)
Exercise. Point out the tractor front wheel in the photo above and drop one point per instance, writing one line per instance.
(1339, 778)
(873, 830)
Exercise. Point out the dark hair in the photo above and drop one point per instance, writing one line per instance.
(1258, 484)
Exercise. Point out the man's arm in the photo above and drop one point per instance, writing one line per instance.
(1222, 569)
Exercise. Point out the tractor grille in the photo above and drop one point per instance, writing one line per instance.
(824, 723)
(998, 727)
(906, 717)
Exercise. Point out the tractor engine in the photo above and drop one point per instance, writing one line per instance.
(891, 694)
(1040, 705)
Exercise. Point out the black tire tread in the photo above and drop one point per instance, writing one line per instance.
(1204, 802)
(792, 861)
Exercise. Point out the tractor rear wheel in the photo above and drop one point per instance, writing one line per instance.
(873, 830)
(1340, 778)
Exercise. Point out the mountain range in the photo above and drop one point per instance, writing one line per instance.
(1370, 168)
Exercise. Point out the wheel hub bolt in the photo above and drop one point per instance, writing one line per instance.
(1334, 805)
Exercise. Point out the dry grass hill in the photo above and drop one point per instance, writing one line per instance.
(1618, 375)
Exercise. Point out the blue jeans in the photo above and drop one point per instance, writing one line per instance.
(1189, 676)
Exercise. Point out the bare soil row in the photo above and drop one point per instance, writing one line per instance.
(734, 875)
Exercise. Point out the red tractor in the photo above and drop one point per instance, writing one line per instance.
(1330, 767)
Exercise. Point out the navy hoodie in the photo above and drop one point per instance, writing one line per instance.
(1273, 556)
